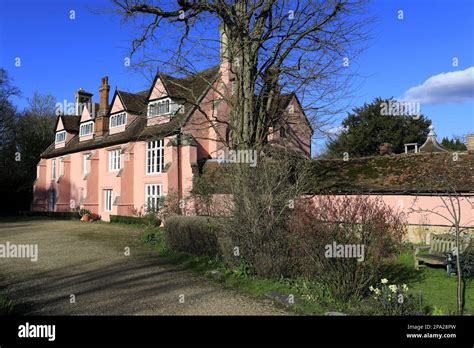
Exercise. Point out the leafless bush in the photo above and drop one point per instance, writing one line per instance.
(361, 221)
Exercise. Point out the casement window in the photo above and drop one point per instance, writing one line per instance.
(114, 160)
(161, 107)
(152, 197)
(108, 200)
(53, 169)
(155, 156)
(61, 167)
(87, 128)
(118, 119)
(60, 137)
(85, 164)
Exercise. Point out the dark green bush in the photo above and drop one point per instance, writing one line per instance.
(131, 220)
(192, 234)
(64, 215)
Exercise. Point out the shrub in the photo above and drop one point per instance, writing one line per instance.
(83, 212)
(259, 211)
(394, 300)
(63, 215)
(192, 234)
(132, 220)
(344, 220)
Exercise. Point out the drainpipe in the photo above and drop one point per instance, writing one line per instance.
(178, 143)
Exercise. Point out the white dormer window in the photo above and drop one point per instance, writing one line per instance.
(160, 107)
(87, 128)
(118, 120)
(60, 137)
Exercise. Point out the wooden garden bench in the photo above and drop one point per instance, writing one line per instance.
(440, 245)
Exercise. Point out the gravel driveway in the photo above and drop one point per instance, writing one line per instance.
(88, 261)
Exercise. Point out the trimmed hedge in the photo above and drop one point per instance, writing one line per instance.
(63, 215)
(130, 220)
(192, 234)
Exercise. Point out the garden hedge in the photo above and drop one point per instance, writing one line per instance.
(192, 234)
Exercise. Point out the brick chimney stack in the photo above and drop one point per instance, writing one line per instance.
(470, 143)
(102, 120)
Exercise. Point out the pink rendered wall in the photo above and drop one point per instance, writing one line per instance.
(409, 205)
(39, 188)
(432, 207)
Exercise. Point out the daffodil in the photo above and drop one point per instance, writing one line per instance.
(404, 287)
(384, 281)
(393, 288)
(377, 291)
(371, 288)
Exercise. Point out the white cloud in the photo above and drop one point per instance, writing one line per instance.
(451, 87)
(335, 131)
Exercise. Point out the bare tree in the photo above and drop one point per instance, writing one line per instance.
(449, 182)
(270, 46)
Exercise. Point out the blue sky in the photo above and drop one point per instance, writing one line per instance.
(59, 55)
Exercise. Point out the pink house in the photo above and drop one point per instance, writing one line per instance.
(119, 157)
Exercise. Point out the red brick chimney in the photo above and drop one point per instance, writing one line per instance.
(102, 120)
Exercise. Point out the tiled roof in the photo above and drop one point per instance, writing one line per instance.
(134, 102)
(190, 88)
(71, 123)
(427, 173)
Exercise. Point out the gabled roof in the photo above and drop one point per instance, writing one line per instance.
(190, 87)
(133, 102)
(70, 123)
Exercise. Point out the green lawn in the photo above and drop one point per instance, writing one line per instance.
(438, 290)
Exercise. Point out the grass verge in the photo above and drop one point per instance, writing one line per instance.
(437, 290)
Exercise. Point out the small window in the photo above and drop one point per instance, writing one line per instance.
(118, 119)
(60, 137)
(108, 200)
(155, 157)
(114, 160)
(85, 164)
(53, 169)
(152, 197)
(158, 108)
(86, 128)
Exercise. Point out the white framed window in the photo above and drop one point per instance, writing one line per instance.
(60, 137)
(114, 160)
(61, 167)
(85, 164)
(152, 197)
(86, 128)
(118, 120)
(161, 107)
(108, 199)
(53, 169)
(155, 156)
